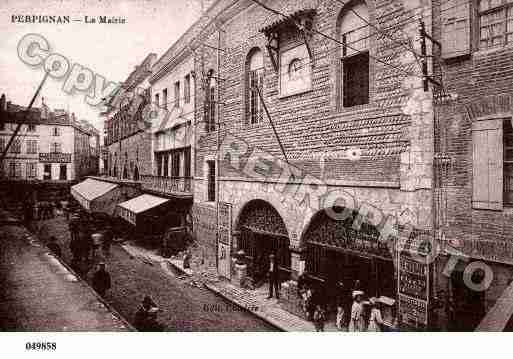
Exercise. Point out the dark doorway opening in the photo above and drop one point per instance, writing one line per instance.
(469, 305)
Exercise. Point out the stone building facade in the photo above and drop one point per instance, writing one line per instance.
(50, 146)
(126, 140)
(355, 150)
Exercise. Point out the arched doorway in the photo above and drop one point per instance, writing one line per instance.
(125, 172)
(336, 252)
(263, 232)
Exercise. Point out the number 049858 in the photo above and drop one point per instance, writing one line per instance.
(41, 346)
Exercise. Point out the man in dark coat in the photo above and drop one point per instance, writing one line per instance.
(273, 274)
(145, 318)
(101, 280)
(108, 237)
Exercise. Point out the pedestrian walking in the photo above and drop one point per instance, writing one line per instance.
(108, 238)
(375, 320)
(356, 319)
(273, 278)
(96, 241)
(309, 303)
(340, 320)
(73, 227)
(101, 280)
(319, 318)
(54, 246)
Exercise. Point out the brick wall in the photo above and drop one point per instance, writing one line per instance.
(392, 136)
(483, 85)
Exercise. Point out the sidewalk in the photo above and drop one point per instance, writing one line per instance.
(39, 293)
(254, 301)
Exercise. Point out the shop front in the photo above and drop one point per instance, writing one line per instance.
(156, 220)
(262, 233)
(338, 256)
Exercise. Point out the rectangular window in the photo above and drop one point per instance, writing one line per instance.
(31, 170)
(47, 175)
(31, 128)
(157, 99)
(12, 169)
(508, 162)
(164, 98)
(165, 159)
(55, 147)
(255, 106)
(495, 23)
(175, 161)
(15, 147)
(177, 94)
(2, 126)
(487, 168)
(63, 174)
(31, 146)
(18, 171)
(211, 181)
(187, 89)
(355, 89)
(187, 162)
(2, 144)
(56, 131)
(210, 109)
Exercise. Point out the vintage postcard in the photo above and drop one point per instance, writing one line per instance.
(256, 165)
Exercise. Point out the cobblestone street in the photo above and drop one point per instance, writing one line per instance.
(184, 307)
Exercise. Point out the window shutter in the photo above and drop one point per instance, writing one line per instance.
(455, 28)
(487, 164)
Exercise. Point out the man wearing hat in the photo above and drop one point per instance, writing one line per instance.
(101, 280)
(273, 277)
(356, 323)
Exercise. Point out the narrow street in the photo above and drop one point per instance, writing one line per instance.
(184, 307)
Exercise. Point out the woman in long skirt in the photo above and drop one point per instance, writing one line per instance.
(356, 320)
(375, 320)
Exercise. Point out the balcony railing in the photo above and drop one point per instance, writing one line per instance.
(167, 185)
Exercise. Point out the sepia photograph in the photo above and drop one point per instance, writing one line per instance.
(255, 166)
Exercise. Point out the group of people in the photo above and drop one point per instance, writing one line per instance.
(87, 244)
(353, 312)
(361, 318)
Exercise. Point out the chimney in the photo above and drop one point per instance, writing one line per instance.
(3, 103)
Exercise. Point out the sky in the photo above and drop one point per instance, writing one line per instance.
(111, 50)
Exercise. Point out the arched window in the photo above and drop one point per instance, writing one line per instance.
(254, 80)
(210, 102)
(354, 37)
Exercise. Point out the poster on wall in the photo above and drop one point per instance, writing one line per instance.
(204, 222)
(413, 289)
(224, 227)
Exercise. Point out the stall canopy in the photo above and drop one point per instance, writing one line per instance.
(130, 209)
(96, 196)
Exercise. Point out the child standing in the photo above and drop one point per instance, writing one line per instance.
(319, 318)
(340, 317)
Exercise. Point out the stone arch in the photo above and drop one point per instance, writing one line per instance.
(262, 232)
(337, 251)
(271, 199)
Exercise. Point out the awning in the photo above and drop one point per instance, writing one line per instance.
(96, 196)
(130, 209)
